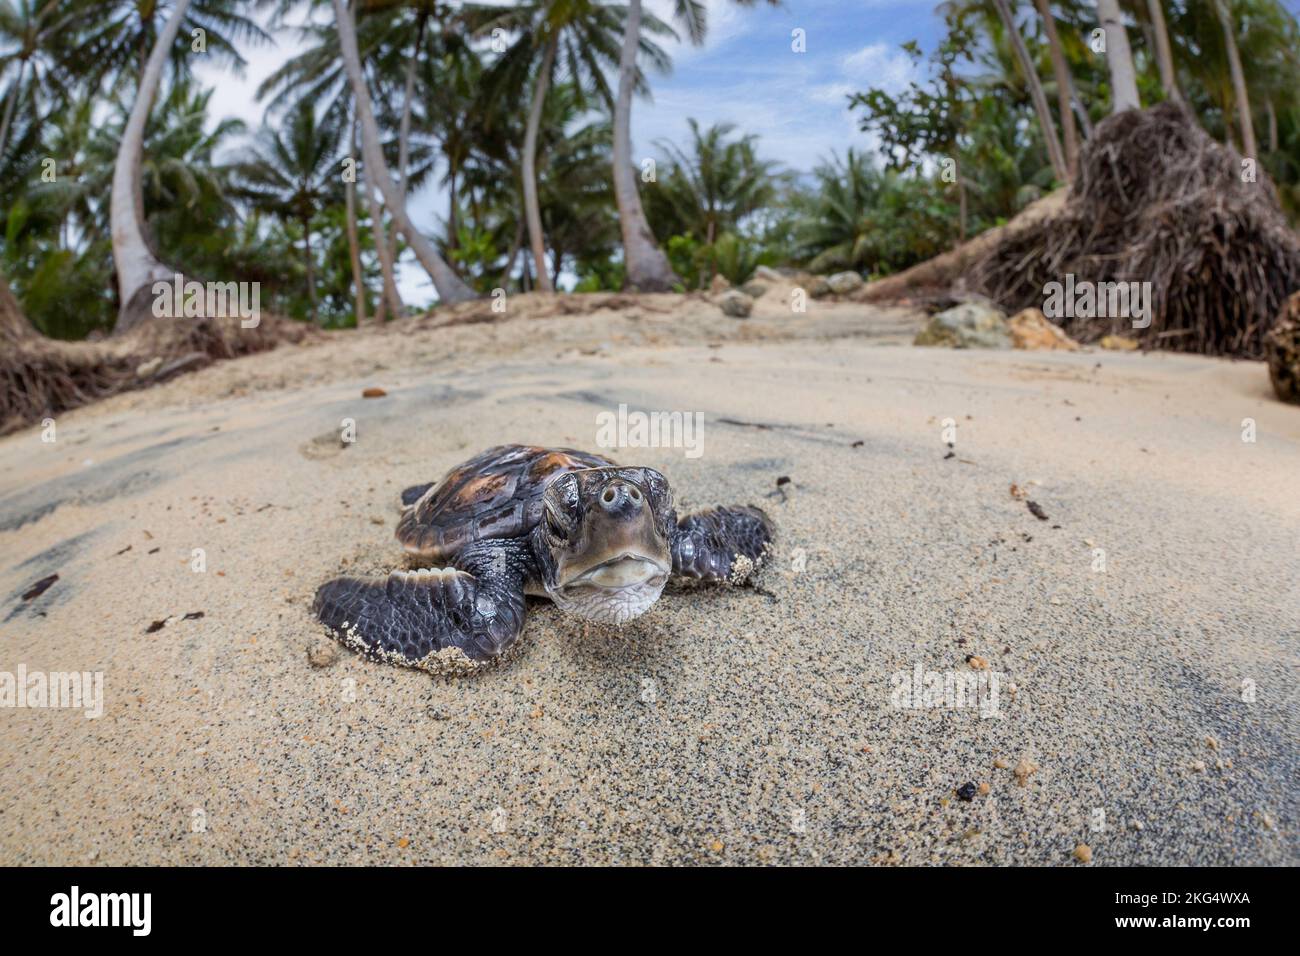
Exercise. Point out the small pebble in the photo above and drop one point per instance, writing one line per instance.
(1083, 853)
(1024, 770)
(966, 792)
(322, 653)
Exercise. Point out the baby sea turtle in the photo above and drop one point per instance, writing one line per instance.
(597, 539)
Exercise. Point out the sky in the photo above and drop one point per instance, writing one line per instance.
(746, 72)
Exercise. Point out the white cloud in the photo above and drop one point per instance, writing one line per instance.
(881, 65)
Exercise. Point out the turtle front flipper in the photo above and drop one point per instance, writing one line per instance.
(409, 618)
(721, 544)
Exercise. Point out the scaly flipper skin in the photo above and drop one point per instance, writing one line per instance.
(721, 544)
(477, 607)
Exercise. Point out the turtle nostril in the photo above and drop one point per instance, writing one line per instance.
(621, 497)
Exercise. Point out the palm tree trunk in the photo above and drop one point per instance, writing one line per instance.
(1244, 120)
(451, 288)
(1080, 111)
(14, 324)
(137, 265)
(1119, 59)
(1164, 51)
(531, 209)
(310, 262)
(404, 128)
(453, 208)
(354, 246)
(1061, 69)
(647, 268)
(515, 245)
(1036, 93)
(10, 103)
(391, 299)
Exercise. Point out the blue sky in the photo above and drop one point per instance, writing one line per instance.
(746, 73)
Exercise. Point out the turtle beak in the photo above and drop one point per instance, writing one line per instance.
(621, 546)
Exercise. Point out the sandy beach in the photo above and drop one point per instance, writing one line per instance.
(1145, 633)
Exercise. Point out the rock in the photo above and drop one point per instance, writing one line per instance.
(736, 304)
(322, 653)
(719, 285)
(817, 286)
(842, 283)
(753, 289)
(1030, 329)
(146, 369)
(1282, 350)
(971, 325)
(1118, 343)
(768, 274)
(373, 392)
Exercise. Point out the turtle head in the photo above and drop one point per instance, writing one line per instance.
(603, 541)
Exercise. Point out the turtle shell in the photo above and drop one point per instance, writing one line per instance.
(497, 494)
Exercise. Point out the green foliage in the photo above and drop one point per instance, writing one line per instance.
(954, 153)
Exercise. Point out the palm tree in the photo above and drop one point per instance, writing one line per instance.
(1164, 50)
(350, 220)
(292, 173)
(1240, 94)
(1036, 93)
(33, 35)
(317, 74)
(836, 234)
(582, 35)
(138, 267)
(716, 183)
(451, 288)
(646, 266)
(1061, 70)
(458, 110)
(124, 31)
(576, 193)
(1119, 58)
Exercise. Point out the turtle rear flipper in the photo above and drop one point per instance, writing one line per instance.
(721, 544)
(410, 617)
(414, 493)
